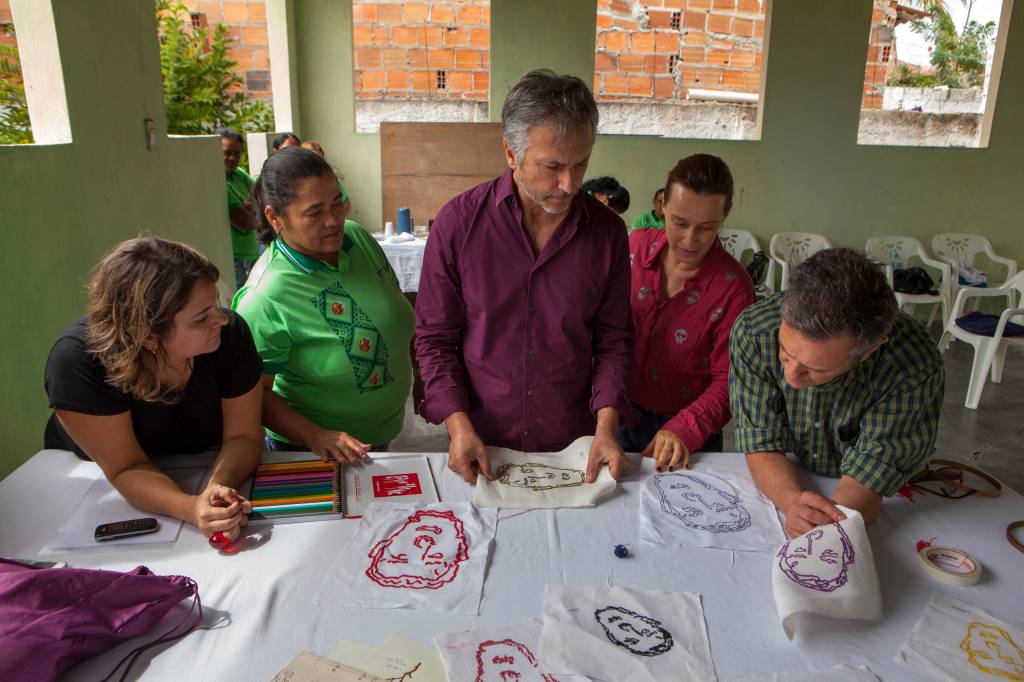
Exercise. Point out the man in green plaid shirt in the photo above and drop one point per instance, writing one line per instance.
(830, 371)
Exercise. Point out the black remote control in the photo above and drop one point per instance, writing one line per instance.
(122, 529)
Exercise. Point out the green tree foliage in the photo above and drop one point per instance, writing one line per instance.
(907, 77)
(14, 124)
(202, 91)
(958, 58)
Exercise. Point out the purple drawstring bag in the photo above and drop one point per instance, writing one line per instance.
(54, 618)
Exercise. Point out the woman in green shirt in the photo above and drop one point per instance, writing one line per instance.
(329, 320)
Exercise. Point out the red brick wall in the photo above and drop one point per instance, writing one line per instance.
(712, 44)
(5, 16)
(881, 53)
(401, 48)
(246, 22)
(705, 44)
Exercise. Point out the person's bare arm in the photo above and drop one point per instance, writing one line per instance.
(243, 219)
(110, 442)
(777, 478)
(606, 449)
(241, 440)
(281, 418)
(852, 494)
(466, 453)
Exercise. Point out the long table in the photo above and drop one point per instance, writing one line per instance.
(259, 603)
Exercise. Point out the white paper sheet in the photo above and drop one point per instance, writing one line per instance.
(708, 508)
(957, 641)
(429, 557)
(829, 571)
(388, 478)
(103, 504)
(545, 480)
(400, 658)
(351, 652)
(307, 667)
(622, 635)
(497, 654)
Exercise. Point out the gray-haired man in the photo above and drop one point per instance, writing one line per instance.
(523, 326)
(831, 372)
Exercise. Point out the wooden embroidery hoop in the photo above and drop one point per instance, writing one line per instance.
(950, 476)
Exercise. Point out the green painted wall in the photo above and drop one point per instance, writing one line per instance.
(527, 42)
(807, 172)
(63, 206)
(324, 79)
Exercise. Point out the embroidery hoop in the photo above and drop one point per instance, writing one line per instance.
(1010, 537)
(950, 476)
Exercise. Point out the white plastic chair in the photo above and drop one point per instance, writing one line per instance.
(790, 249)
(959, 249)
(887, 249)
(989, 351)
(738, 242)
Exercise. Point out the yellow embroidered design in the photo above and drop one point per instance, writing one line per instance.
(991, 650)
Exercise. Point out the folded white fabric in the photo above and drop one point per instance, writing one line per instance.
(400, 238)
(622, 635)
(957, 641)
(829, 571)
(430, 557)
(708, 508)
(544, 480)
(497, 654)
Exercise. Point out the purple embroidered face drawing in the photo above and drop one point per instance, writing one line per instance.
(702, 502)
(818, 559)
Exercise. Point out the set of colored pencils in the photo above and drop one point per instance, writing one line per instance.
(296, 489)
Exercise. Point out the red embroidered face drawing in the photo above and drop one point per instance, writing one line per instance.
(507, 661)
(424, 554)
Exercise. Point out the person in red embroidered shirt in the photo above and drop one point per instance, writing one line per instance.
(522, 317)
(686, 293)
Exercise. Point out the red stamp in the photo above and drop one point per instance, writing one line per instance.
(395, 485)
(424, 554)
(507, 660)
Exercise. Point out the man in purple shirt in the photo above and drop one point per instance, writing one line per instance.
(523, 327)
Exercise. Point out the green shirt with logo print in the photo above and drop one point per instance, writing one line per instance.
(337, 338)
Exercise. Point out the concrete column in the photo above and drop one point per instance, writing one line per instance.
(42, 71)
(283, 75)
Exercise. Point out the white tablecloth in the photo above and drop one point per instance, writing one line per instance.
(259, 610)
(407, 260)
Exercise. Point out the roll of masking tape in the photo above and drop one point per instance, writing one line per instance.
(949, 565)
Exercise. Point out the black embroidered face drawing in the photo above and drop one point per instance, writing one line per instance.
(637, 634)
(538, 476)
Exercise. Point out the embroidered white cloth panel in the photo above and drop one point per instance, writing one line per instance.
(545, 480)
(430, 557)
(708, 508)
(828, 571)
(622, 635)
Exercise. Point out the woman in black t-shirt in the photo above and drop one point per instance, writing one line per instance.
(158, 367)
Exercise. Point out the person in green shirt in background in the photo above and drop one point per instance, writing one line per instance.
(655, 218)
(330, 323)
(241, 216)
